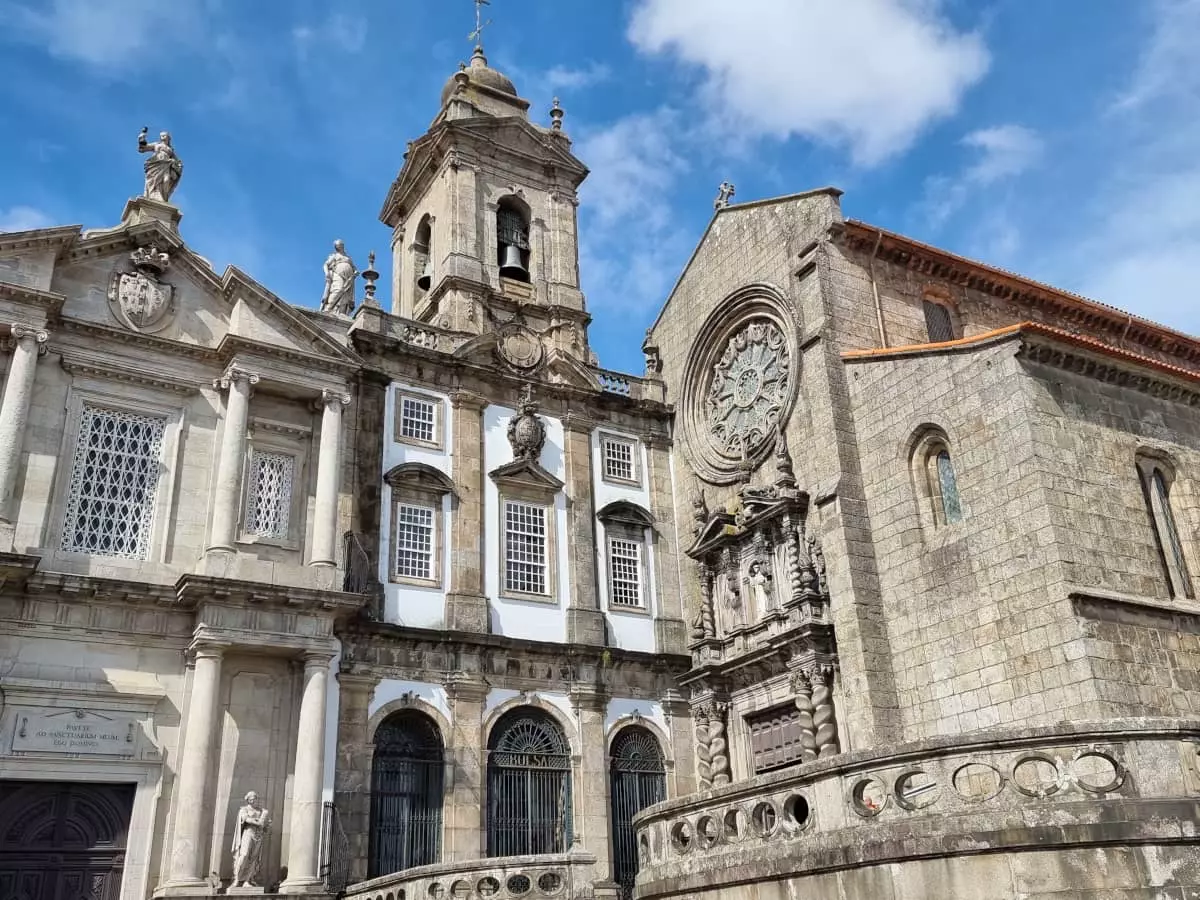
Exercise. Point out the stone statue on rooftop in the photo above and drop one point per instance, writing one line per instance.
(163, 169)
(340, 273)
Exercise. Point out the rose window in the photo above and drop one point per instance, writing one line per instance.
(749, 388)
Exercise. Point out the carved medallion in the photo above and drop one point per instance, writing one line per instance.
(749, 388)
(138, 299)
(519, 347)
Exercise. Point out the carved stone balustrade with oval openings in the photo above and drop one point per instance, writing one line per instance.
(567, 876)
(1027, 799)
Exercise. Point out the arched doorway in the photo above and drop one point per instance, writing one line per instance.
(63, 841)
(529, 785)
(406, 794)
(637, 779)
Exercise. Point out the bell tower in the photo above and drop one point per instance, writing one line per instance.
(484, 216)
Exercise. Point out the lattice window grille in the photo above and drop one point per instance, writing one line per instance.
(414, 542)
(114, 481)
(618, 460)
(938, 324)
(418, 419)
(269, 500)
(524, 548)
(625, 572)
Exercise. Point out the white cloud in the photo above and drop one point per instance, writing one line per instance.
(563, 78)
(1005, 151)
(23, 218)
(106, 34)
(633, 245)
(347, 34)
(865, 74)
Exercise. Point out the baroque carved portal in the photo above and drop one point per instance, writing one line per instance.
(749, 388)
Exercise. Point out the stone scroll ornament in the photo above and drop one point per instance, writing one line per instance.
(749, 388)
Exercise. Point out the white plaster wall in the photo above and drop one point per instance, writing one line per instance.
(406, 604)
(393, 689)
(530, 619)
(650, 710)
(628, 629)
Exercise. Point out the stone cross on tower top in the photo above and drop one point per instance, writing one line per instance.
(477, 35)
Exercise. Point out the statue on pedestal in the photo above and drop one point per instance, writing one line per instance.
(163, 168)
(340, 273)
(253, 823)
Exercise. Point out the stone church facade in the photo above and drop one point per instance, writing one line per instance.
(876, 583)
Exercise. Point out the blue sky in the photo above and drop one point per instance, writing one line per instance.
(1058, 138)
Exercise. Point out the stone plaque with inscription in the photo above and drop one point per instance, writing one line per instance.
(75, 731)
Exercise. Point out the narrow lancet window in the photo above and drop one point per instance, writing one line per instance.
(1157, 487)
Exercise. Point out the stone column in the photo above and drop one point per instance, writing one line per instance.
(590, 788)
(585, 621)
(352, 773)
(303, 844)
(466, 606)
(27, 344)
(681, 778)
(231, 458)
(464, 812)
(671, 635)
(189, 849)
(329, 479)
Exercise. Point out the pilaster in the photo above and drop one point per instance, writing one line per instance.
(592, 781)
(353, 768)
(465, 754)
(466, 606)
(670, 629)
(585, 621)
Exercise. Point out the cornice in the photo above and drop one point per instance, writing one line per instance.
(233, 344)
(81, 363)
(161, 345)
(48, 301)
(193, 590)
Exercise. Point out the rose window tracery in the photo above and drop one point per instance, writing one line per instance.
(749, 388)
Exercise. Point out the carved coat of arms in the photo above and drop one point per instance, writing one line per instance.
(138, 299)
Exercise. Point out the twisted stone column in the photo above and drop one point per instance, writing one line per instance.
(718, 747)
(802, 686)
(703, 756)
(704, 627)
(824, 719)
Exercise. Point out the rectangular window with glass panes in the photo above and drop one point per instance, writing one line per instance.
(414, 528)
(619, 457)
(625, 573)
(526, 548)
(418, 419)
(114, 484)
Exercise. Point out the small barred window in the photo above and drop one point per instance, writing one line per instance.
(418, 419)
(414, 542)
(269, 498)
(938, 324)
(525, 561)
(625, 572)
(114, 481)
(618, 459)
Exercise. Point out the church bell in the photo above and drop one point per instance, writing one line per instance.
(426, 277)
(511, 265)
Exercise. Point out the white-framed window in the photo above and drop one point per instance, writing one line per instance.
(526, 546)
(418, 419)
(619, 458)
(625, 572)
(414, 545)
(269, 494)
(114, 483)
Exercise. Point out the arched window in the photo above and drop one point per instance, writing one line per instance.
(936, 480)
(939, 325)
(1156, 487)
(512, 239)
(528, 786)
(423, 254)
(637, 779)
(406, 794)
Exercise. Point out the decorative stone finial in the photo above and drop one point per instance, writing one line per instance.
(556, 115)
(370, 276)
(339, 282)
(785, 474)
(163, 168)
(724, 193)
(526, 432)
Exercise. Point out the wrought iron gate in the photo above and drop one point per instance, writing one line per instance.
(637, 779)
(529, 786)
(406, 794)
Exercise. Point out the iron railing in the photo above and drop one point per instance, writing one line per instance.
(406, 794)
(637, 780)
(360, 576)
(335, 852)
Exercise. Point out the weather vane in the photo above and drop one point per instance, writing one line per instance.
(477, 34)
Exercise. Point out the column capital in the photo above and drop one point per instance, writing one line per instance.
(19, 333)
(317, 659)
(461, 686)
(234, 375)
(461, 399)
(587, 696)
(206, 648)
(657, 441)
(333, 400)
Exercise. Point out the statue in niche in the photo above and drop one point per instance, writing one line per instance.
(340, 273)
(733, 603)
(758, 586)
(253, 823)
(163, 168)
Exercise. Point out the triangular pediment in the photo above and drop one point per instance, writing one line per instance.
(518, 136)
(562, 368)
(526, 473)
(718, 526)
